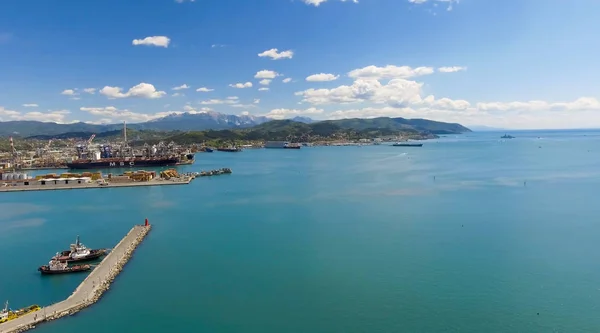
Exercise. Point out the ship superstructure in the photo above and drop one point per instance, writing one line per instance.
(122, 155)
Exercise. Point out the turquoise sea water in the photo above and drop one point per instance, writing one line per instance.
(336, 239)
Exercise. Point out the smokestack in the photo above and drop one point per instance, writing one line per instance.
(125, 131)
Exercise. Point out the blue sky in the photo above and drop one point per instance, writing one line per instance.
(503, 63)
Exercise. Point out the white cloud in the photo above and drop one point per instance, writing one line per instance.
(204, 89)
(418, 2)
(266, 74)
(233, 98)
(121, 114)
(322, 77)
(241, 85)
(182, 1)
(287, 80)
(57, 116)
(69, 92)
(316, 3)
(452, 69)
(263, 89)
(276, 55)
(32, 105)
(181, 87)
(178, 94)
(75, 98)
(256, 101)
(389, 72)
(265, 82)
(395, 92)
(142, 90)
(160, 41)
(286, 113)
(217, 45)
(90, 90)
(218, 101)
(245, 113)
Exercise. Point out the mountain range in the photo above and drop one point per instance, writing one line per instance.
(219, 121)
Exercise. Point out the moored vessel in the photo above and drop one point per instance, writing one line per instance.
(56, 266)
(407, 144)
(79, 253)
(230, 149)
(7, 314)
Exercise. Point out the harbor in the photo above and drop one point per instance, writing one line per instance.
(90, 290)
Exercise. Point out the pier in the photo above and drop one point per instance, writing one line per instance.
(90, 290)
(154, 182)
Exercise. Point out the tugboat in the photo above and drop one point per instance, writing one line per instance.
(79, 253)
(7, 314)
(60, 267)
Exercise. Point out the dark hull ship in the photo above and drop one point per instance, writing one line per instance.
(407, 144)
(105, 163)
(121, 155)
(60, 269)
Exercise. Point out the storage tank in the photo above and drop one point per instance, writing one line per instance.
(153, 150)
(97, 155)
(22, 176)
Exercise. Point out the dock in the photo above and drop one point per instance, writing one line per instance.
(90, 290)
(154, 182)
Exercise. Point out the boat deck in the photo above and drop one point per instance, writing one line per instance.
(89, 291)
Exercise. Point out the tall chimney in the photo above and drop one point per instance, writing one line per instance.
(125, 131)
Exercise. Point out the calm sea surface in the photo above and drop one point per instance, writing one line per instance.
(505, 238)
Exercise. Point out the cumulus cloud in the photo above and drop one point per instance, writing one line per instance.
(204, 89)
(142, 90)
(32, 105)
(265, 82)
(452, 69)
(266, 74)
(287, 80)
(241, 85)
(286, 113)
(90, 91)
(181, 87)
(68, 92)
(159, 41)
(317, 3)
(395, 92)
(111, 112)
(322, 77)
(178, 94)
(389, 72)
(56, 116)
(263, 89)
(219, 101)
(256, 101)
(276, 55)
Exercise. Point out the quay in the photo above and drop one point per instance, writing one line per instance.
(154, 182)
(90, 290)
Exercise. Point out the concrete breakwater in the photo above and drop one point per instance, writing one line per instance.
(90, 290)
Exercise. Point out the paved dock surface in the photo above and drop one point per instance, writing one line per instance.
(89, 291)
(157, 182)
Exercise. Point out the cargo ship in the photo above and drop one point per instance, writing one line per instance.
(406, 144)
(61, 267)
(7, 314)
(124, 156)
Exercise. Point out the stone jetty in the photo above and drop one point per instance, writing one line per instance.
(90, 290)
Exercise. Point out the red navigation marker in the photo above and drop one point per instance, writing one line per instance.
(146, 224)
